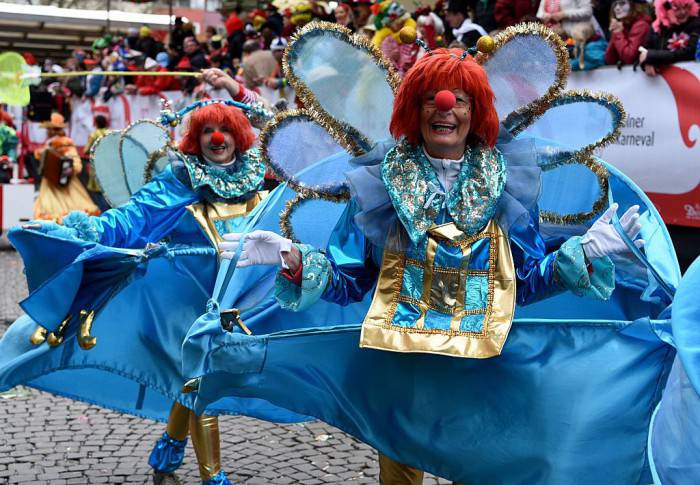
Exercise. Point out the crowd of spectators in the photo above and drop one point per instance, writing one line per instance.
(249, 45)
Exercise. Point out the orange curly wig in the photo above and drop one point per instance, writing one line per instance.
(217, 113)
(444, 70)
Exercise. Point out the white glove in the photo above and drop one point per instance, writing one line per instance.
(603, 240)
(259, 247)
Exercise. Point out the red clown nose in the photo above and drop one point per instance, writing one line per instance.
(217, 138)
(445, 100)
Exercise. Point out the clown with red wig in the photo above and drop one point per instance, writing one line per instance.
(210, 185)
(426, 228)
(674, 36)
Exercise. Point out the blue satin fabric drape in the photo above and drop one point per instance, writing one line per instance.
(569, 401)
(566, 402)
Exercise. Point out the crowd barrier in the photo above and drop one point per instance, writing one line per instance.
(657, 148)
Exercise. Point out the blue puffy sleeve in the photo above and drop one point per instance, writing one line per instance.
(540, 274)
(343, 275)
(149, 215)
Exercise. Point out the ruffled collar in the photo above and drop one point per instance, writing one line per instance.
(232, 181)
(418, 198)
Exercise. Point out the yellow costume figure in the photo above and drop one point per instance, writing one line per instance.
(60, 191)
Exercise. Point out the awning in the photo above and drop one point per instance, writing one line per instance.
(54, 32)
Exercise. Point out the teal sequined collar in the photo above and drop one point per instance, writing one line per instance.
(244, 176)
(418, 198)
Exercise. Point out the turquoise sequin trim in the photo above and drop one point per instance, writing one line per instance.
(247, 175)
(417, 197)
(315, 275)
(570, 272)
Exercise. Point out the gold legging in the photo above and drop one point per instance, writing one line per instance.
(204, 431)
(392, 472)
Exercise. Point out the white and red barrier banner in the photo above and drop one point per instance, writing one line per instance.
(657, 148)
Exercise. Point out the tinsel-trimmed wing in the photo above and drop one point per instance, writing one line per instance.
(581, 121)
(157, 161)
(527, 69)
(138, 142)
(294, 141)
(108, 168)
(125, 160)
(576, 124)
(311, 155)
(342, 80)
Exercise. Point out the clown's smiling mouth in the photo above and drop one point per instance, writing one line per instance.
(443, 128)
(217, 148)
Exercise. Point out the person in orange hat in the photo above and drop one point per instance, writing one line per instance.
(60, 191)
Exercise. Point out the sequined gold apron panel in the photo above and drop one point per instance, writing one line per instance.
(457, 303)
(210, 216)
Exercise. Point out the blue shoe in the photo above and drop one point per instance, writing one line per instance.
(168, 454)
(218, 479)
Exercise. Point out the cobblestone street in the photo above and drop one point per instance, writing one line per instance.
(53, 440)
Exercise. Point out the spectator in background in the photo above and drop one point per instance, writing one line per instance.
(277, 82)
(629, 28)
(8, 146)
(343, 16)
(174, 56)
(177, 36)
(194, 59)
(674, 37)
(275, 19)
(93, 82)
(235, 36)
(101, 129)
(301, 15)
(389, 18)
(511, 12)
(195, 54)
(574, 19)
(147, 44)
(132, 38)
(218, 53)
(60, 191)
(361, 11)
(258, 64)
(430, 29)
(563, 16)
(464, 30)
(210, 32)
(267, 34)
(146, 85)
(484, 14)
